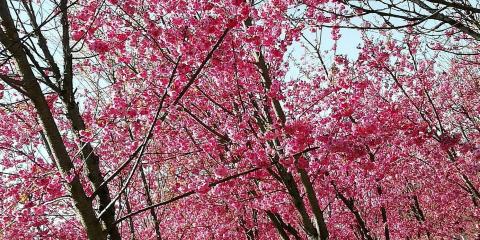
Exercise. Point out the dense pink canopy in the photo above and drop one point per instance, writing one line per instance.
(229, 119)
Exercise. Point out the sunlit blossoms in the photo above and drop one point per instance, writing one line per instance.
(234, 119)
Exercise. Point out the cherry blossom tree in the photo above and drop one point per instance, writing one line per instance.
(228, 119)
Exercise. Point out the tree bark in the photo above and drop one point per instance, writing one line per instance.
(10, 39)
